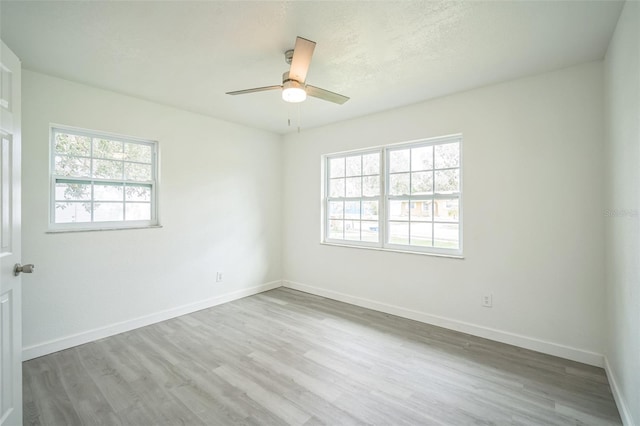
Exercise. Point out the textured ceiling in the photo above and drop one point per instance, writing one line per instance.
(381, 54)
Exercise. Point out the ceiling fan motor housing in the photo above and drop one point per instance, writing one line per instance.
(285, 78)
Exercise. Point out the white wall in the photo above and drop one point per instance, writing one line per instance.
(220, 208)
(533, 227)
(622, 82)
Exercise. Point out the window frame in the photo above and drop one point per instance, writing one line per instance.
(385, 197)
(327, 198)
(106, 225)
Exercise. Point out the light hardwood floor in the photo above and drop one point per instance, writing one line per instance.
(286, 357)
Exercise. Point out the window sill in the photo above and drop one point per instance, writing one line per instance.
(451, 256)
(123, 228)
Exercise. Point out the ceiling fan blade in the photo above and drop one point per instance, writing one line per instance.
(326, 95)
(257, 89)
(301, 60)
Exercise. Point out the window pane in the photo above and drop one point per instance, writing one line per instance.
(104, 148)
(422, 183)
(354, 187)
(371, 164)
(371, 186)
(370, 210)
(138, 211)
(135, 171)
(422, 158)
(448, 180)
(447, 210)
(399, 184)
(336, 187)
(336, 229)
(72, 145)
(108, 212)
(108, 192)
(399, 161)
(137, 193)
(354, 166)
(447, 155)
(421, 234)
(336, 167)
(336, 209)
(352, 210)
(73, 212)
(399, 233)
(446, 235)
(73, 191)
(422, 210)
(72, 166)
(369, 231)
(352, 230)
(107, 169)
(399, 210)
(137, 152)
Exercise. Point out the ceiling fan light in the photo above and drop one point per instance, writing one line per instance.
(292, 91)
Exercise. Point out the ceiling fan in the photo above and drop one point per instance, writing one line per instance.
(294, 87)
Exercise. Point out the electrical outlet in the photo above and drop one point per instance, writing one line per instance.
(218, 277)
(487, 300)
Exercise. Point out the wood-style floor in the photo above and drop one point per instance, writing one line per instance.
(286, 357)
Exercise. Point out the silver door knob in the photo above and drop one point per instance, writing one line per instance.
(27, 269)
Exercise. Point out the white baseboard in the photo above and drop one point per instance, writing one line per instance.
(625, 414)
(67, 342)
(534, 344)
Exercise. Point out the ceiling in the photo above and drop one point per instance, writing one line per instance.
(382, 54)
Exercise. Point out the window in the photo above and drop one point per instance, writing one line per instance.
(101, 181)
(353, 201)
(403, 197)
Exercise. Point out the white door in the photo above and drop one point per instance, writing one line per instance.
(10, 284)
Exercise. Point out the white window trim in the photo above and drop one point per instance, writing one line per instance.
(102, 226)
(384, 200)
